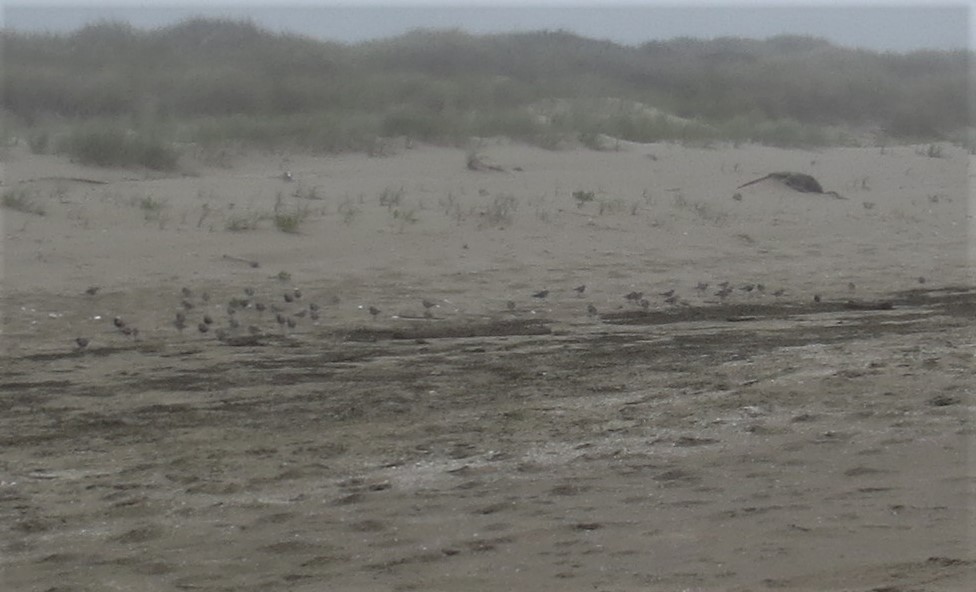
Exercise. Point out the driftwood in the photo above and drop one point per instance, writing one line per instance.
(796, 181)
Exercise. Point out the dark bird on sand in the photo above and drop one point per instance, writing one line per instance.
(203, 327)
(671, 299)
(259, 306)
(81, 342)
(701, 287)
(253, 329)
(374, 311)
(541, 294)
(635, 296)
(816, 297)
(207, 319)
(428, 303)
(301, 313)
(118, 322)
(280, 318)
(779, 292)
(289, 297)
(233, 323)
(313, 315)
(297, 293)
(921, 279)
(580, 289)
(591, 310)
(724, 292)
(510, 305)
(130, 331)
(291, 323)
(205, 296)
(313, 307)
(723, 285)
(187, 293)
(187, 304)
(249, 291)
(667, 294)
(761, 288)
(747, 287)
(92, 290)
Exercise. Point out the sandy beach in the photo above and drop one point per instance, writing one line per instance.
(446, 386)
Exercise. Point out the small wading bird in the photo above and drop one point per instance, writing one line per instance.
(374, 311)
(541, 294)
(580, 289)
(81, 342)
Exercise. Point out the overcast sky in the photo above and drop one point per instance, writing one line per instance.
(869, 24)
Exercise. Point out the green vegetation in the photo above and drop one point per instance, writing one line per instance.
(113, 95)
(21, 200)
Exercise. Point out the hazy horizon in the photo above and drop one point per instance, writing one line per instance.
(880, 28)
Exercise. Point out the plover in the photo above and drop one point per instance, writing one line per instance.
(374, 311)
(92, 290)
(81, 342)
(580, 289)
(541, 294)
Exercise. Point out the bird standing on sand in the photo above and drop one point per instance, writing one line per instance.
(180, 322)
(541, 294)
(591, 310)
(118, 322)
(203, 327)
(92, 290)
(428, 304)
(701, 287)
(580, 289)
(374, 311)
(671, 299)
(645, 303)
(816, 298)
(81, 342)
(635, 296)
(289, 297)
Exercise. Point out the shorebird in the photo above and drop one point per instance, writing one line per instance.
(921, 279)
(297, 293)
(724, 292)
(92, 290)
(747, 287)
(701, 287)
(428, 304)
(81, 342)
(289, 297)
(187, 304)
(635, 296)
(779, 292)
(259, 306)
(203, 327)
(118, 322)
(205, 296)
(591, 310)
(280, 318)
(207, 319)
(233, 323)
(671, 299)
(761, 288)
(816, 297)
(374, 311)
(580, 289)
(313, 315)
(187, 293)
(301, 313)
(180, 322)
(645, 303)
(291, 322)
(541, 294)
(313, 307)
(249, 291)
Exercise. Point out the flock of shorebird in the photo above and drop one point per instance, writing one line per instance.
(244, 314)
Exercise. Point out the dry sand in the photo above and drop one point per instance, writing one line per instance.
(507, 442)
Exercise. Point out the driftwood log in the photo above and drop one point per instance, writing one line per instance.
(796, 181)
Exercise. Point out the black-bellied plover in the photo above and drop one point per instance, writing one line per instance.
(259, 306)
(816, 298)
(280, 318)
(207, 319)
(428, 304)
(724, 292)
(313, 307)
(82, 342)
(205, 296)
(747, 287)
(374, 311)
(289, 297)
(301, 313)
(118, 322)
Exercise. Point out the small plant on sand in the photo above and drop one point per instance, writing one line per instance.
(151, 207)
(290, 221)
(242, 222)
(583, 197)
(403, 218)
(348, 210)
(391, 198)
(500, 212)
(21, 200)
